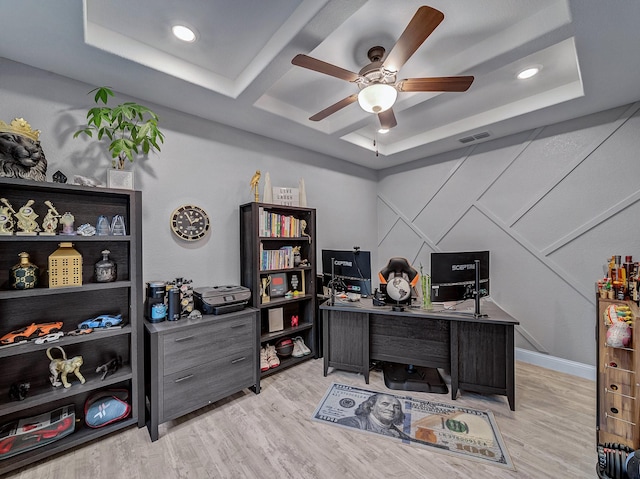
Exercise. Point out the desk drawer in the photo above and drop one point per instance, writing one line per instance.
(191, 389)
(227, 338)
(419, 341)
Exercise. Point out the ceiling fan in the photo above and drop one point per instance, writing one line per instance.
(378, 82)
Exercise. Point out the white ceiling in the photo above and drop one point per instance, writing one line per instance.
(239, 70)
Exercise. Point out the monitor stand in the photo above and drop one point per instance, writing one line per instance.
(413, 378)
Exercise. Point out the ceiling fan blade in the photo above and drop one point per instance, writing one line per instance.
(387, 119)
(334, 108)
(423, 23)
(460, 83)
(311, 63)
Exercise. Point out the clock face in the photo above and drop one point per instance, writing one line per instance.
(190, 222)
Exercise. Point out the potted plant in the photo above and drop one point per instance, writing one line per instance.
(131, 128)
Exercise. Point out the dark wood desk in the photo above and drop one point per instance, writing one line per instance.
(477, 352)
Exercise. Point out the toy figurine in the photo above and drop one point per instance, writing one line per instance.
(27, 220)
(18, 391)
(296, 256)
(109, 367)
(264, 297)
(6, 221)
(255, 179)
(61, 368)
(67, 220)
(59, 177)
(50, 221)
(303, 227)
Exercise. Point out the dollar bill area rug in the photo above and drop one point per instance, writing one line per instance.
(460, 431)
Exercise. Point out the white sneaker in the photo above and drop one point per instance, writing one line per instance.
(264, 363)
(303, 347)
(297, 350)
(272, 357)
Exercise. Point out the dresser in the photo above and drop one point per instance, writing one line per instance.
(191, 363)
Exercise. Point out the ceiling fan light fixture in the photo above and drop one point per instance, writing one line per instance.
(377, 98)
(383, 130)
(528, 72)
(183, 33)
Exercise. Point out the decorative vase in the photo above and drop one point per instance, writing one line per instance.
(102, 226)
(302, 191)
(24, 275)
(117, 226)
(105, 269)
(268, 189)
(120, 179)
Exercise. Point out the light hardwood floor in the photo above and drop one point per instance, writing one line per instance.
(271, 435)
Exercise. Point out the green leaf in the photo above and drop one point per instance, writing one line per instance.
(124, 125)
(102, 94)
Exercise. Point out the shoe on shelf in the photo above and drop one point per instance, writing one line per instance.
(272, 356)
(264, 362)
(297, 350)
(303, 347)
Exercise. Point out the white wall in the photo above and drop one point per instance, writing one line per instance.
(552, 205)
(201, 162)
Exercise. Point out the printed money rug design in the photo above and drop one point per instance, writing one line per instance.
(462, 431)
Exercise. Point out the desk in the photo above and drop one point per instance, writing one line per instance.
(478, 352)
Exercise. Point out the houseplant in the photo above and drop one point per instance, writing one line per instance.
(131, 128)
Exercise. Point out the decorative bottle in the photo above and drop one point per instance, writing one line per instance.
(105, 269)
(24, 275)
(425, 283)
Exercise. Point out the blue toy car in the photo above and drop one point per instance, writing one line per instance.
(102, 321)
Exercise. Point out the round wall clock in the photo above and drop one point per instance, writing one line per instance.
(190, 222)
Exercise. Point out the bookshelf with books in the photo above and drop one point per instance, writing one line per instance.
(278, 265)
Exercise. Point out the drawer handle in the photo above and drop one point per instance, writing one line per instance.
(236, 326)
(238, 360)
(184, 378)
(177, 340)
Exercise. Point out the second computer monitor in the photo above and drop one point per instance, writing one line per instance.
(352, 268)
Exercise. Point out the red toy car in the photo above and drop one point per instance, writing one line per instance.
(34, 330)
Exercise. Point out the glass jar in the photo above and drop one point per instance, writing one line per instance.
(24, 275)
(105, 269)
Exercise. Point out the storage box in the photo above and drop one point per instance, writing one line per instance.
(276, 321)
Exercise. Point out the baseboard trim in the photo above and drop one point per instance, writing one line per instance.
(556, 364)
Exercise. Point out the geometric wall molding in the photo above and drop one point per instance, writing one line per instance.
(551, 204)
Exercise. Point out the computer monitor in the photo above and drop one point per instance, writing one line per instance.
(352, 268)
(453, 275)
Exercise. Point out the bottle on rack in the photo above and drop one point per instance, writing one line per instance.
(105, 269)
(24, 275)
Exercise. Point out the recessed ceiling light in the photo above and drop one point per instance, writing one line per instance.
(184, 33)
(383, 130)
(528, 72)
